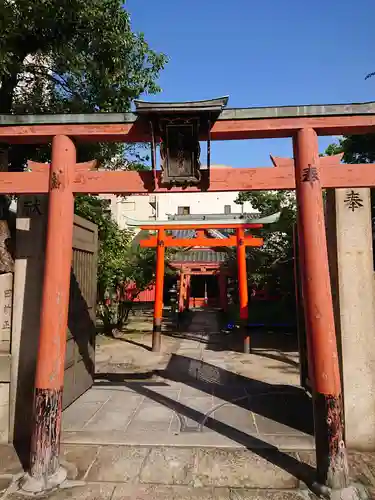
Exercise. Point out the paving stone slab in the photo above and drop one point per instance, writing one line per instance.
(287, 442)
(359, 471)
(94, 395)
(146, 431)
(79, 457)
(150, 411)
(269, 426)
(106, 420)
(86, 492)
(369, 459)
(141, 492)
(234, 468)
(201, 404)
(244, 494)
(5, 482)
(169, 466)
(118, 464)
(9, 460)
(150, 435)
(239, 418)
(79, 414)
(123, 401)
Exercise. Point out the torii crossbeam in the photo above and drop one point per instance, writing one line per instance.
(240, 241)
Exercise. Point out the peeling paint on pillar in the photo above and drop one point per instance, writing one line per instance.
(44, 456)
(159, 289)
(332, 467)
(49, 377)
(331, 457)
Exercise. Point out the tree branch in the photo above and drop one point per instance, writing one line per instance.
(59, 80)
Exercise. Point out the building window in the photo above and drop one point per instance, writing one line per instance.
(183, 211)
(227, 209)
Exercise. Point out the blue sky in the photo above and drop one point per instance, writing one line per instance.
(261, 53)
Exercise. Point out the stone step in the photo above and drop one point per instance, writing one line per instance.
(136, 472)
(192, 467)
(108, 491)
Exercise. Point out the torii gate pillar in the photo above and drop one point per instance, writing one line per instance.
(45, 471)
(332, 466)
(159, 288)
(242, 286)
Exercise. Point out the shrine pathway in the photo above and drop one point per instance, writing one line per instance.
(197, 392)
(200, 421)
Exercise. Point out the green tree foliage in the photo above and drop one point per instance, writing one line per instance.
(120, 263)
(356, 149)
(271, 266)
(76, 56)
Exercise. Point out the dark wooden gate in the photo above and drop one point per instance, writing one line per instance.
(300, 315)
(80, 342)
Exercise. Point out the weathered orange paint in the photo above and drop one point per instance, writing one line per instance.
(201, 242)
(182, 293)
(55, 299)
(325, 161)
(242, 285)
(188, 290)
(331, 456)
(200, 225)
(316, 282)
(223, 180)
(333, 175)
(222, 130)
(49, 378)
(159, 288)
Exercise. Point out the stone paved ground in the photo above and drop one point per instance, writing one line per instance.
(193, 393)
(200, 420)
(147, 473)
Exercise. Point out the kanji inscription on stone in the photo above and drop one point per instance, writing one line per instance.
(31, 207)
(310, 174)
(353, 200)
(6, 292)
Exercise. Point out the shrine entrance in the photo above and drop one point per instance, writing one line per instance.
(204, 234)
(178, 128)
(204, 291)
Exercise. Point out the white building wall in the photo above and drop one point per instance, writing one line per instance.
(199, 203)
(134, 207)
(159, 206)
(149, 207)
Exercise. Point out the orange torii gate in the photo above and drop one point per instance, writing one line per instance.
(177, 124)
(240, 240)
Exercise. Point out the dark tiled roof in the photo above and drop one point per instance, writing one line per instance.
(184, 234)
(230, 216)
(200, 255)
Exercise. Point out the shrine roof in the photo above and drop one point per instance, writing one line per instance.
(200, 255)
(252, 113)
(188, 221)
(245, 217)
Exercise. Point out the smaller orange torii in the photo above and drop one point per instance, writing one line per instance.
(162, 240)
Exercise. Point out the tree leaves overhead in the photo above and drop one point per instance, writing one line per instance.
(73, 56)
(271, 266)
(118, 260)
(83, 51)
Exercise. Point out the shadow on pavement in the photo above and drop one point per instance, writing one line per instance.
(300, 470)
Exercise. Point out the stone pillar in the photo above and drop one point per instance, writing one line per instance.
(28, 280)
(352, 272)
(6, 290)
